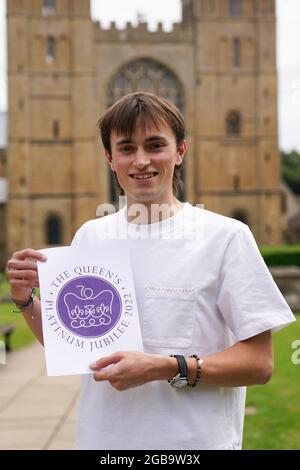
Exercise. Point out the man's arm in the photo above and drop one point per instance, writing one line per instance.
(248, 362)
(22, 275)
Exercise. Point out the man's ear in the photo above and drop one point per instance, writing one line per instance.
(109, 159)
(181, 152)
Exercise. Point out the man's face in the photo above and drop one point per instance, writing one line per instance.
(144, 164)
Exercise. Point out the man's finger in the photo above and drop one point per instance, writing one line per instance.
(105, 361)
(29, 253)
(14, 263)
(23, 274)
(22, 283)
(101, 376)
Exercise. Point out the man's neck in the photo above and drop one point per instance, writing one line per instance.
(150, 213)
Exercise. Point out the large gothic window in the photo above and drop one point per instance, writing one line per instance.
(144, 75)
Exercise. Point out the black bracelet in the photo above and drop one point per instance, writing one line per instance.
(199, 370)
(23, 306)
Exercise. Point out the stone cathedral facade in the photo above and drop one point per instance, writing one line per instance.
(219, 67)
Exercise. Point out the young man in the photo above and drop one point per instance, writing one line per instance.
(203, 291)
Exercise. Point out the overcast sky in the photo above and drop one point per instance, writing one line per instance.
(168, 11)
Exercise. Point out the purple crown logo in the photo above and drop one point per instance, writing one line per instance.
(89, 306)
(89, 309)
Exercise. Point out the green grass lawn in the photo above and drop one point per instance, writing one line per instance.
(4, 286)
(276, 423)
(22, 334)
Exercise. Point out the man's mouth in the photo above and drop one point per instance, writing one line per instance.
(143, 176)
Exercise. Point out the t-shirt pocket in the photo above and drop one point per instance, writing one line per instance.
(169, 316)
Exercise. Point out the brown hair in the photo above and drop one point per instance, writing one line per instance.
(121, 117)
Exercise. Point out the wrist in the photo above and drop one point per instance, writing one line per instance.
(192, 369)
(20, 299)
(23, 306)
(25, 303)
(189, 371)
(166, 367)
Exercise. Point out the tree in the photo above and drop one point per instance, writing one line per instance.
(291, 170)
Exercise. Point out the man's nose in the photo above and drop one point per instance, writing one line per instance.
(141, 158)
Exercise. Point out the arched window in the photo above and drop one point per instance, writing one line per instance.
(236, 52)
(283, 202)
(236, 182)
(56, 129)
(53, 230)
(49, 7)
(144, 75)
(241, 215)
(235, 7)
(233, 123)
(51, 49)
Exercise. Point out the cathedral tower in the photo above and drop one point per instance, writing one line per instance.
(237, 158)
(51, 150)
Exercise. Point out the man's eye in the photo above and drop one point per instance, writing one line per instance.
(125, 149)
(156, 146)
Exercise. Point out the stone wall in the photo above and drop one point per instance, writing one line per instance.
(55, 161)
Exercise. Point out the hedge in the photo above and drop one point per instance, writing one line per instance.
(285, 255)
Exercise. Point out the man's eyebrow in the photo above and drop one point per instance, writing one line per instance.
(155, 137)
(149, 139)
(124, 141)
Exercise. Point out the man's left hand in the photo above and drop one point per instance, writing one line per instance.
(128, 369)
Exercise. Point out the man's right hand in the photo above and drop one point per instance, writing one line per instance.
(22, 273)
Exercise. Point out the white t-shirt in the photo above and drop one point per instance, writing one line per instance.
(201, 285)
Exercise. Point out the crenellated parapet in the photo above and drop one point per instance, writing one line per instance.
(141, 33)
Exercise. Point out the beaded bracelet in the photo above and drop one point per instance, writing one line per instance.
(199, 369)
(22, 307)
